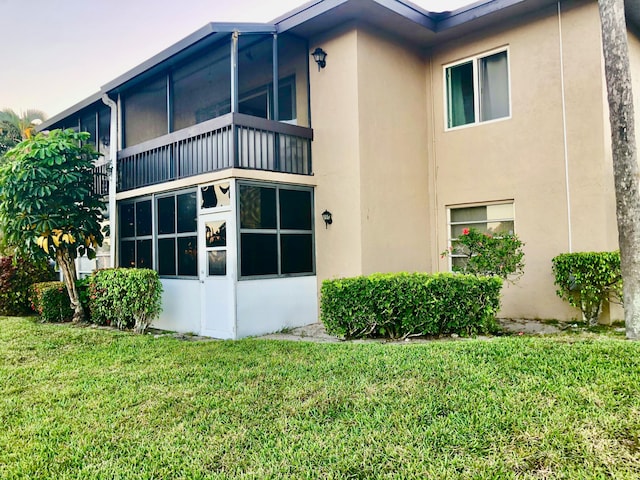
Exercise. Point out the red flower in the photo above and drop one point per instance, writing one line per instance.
(465, 231)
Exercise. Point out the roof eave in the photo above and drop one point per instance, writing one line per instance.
(96, 97)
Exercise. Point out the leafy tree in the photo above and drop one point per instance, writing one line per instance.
(47, 204)
(625, 162)
(25, 122)
(9, 137)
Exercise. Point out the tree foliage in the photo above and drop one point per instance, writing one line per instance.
(47, 204)
(24, 123)
(9, 137)
(588, 279)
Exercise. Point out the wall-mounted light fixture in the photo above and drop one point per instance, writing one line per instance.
(326, 216)
(320, 56)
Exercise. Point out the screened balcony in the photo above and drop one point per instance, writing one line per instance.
(238, 98)
(232, 140)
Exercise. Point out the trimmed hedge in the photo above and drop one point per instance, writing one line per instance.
(51, 301)
(587, 279)
(16, 276)
(406, 304)
(125, 297)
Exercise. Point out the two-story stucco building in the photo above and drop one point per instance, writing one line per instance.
(227, 149)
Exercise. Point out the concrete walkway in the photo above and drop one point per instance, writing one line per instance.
(317, 333)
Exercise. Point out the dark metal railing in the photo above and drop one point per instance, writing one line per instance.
(101, 178)
(232, 140)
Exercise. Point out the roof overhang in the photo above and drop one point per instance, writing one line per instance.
(411, 23)
(87, 102)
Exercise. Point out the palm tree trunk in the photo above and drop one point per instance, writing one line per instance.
(625, 164)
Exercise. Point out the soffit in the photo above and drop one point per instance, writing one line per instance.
(419, 27)
(94, 101)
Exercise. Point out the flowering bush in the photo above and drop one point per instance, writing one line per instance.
(488, 255)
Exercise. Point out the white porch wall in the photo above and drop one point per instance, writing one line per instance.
(269, 305)
(180, 306)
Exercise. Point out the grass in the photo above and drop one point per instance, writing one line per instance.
(82, 403)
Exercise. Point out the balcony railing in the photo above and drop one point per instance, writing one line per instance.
(232, 140)
(101, 173)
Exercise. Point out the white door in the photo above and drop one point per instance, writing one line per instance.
(217, 274)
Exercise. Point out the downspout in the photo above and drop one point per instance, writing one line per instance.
(113, 155)
(435, 266)
(564, 132)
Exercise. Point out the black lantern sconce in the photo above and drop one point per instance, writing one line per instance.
(326, 216)
(320, 56)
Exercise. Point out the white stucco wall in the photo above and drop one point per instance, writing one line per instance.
(180, 306)
(269, 305)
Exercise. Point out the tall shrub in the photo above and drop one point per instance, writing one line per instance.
(16, 276)
(587, 279)
(125, 297)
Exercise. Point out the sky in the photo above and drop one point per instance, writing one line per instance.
(55, 53)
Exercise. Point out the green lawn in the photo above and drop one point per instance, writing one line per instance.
(86, 403)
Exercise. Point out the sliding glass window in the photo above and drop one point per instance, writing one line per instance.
(477, 89)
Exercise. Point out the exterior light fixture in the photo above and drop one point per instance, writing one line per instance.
(320, 57)
(326, 216)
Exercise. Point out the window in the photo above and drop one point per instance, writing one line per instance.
(276, 230)
(478, 89)
(136, 234)
(492, 218)
(168, 222)
(177, 227)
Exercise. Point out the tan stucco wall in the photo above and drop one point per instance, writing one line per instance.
(522, 158)
(393, 156)
(387, 169)
(336, 155)
(370, 155)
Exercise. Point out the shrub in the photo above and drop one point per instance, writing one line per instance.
(403, 304)
(125, 297)
(51, 301)
(587, 279)
(16, 276)
(500, 255)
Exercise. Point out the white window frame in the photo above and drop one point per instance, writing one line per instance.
(450, 224)
(476, 88)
